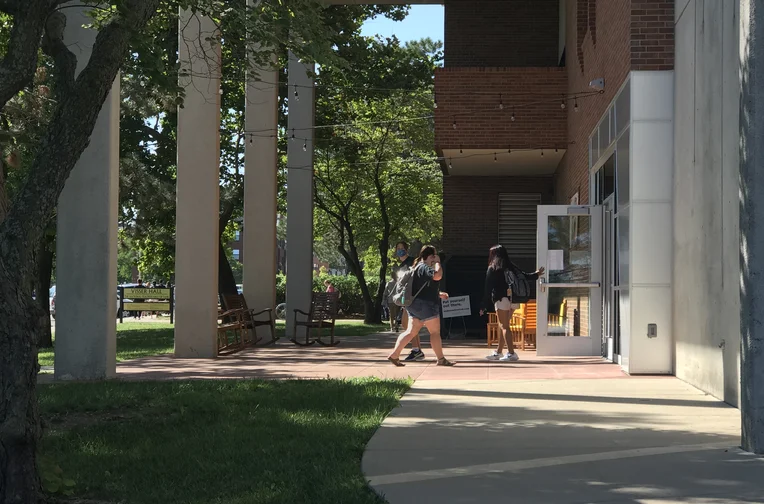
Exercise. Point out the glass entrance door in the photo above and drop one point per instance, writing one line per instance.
(569, 297)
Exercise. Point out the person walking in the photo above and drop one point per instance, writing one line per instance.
(424, 310)
(392, 308)
(405, 261)
(506, 288)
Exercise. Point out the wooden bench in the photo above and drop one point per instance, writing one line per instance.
(249, 320)
(323, 313)
(230, 332)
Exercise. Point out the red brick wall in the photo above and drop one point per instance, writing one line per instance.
(630, 35)
(652, 34)
(471, 209)
(609, 58)
(501, 33)
(473, 94)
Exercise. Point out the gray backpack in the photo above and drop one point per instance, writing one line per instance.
(403, 293)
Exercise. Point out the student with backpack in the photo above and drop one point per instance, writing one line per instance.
(418, 292)
(506, 288)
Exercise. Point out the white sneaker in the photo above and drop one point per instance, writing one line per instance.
(513, 357)
(493, 356)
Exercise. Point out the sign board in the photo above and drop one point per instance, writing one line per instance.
(140, 299)
(144, 293)
(130, 306)
(456, 307)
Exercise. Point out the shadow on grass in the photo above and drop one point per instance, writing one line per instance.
(217, 442)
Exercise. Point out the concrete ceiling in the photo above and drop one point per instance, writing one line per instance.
(480, 162)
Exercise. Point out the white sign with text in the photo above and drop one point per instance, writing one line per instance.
(456, 307)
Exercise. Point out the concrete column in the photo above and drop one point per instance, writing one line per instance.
(260, 191)
(299, 189)
(86, 244)
(752, 224)
(198, 198)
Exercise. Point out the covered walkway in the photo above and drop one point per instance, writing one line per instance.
(364, 356)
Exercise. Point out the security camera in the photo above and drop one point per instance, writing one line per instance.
(598, 84)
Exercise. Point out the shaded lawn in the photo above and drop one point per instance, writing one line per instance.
(222, 442)
(144, 339)
(134, 339)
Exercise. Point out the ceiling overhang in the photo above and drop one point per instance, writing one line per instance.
(492, 163)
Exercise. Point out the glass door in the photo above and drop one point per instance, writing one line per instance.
(569, 297)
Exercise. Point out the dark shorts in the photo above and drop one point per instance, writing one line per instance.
(423, 310)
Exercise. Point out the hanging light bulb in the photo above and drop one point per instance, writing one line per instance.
(512, 117)
(296, 94)
(495, 159)
(450, 165)
(250, 138)
(509, 149)
(555, 149)
(436, 101)
(454, 124)
(542, 152)
(305, 146)
(562, 103)
(461, 151)
(575, 105)
(292, 133)
(501, 103)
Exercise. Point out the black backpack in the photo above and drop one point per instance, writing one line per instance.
(521, 288)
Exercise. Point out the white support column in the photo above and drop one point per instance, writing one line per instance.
(86, 242)
(299, 189)
(198, 198)
(260, 191)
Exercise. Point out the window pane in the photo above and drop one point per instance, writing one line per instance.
(569, 311)
(623, 249)
(569, 249)
(622, 167)
(623, 108)
(624, 319)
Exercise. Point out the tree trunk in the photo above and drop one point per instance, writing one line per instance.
(42, 287)
(226, 279)
(77, 107)
(19, 430)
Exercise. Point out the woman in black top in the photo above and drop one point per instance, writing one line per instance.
(498, 296)
(425, 308)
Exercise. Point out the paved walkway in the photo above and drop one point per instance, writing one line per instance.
(646, 440)
(364, 356)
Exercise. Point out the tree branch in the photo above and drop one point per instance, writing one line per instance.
(18, 67)
(53, 45)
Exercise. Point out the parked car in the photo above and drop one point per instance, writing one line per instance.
(52, 301)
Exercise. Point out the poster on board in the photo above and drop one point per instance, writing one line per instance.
(458, 306)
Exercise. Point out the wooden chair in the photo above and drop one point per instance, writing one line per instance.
(525, 319)
(557, 323)
(248, 317)
(492, 330)
(230, 332)
(323, 313)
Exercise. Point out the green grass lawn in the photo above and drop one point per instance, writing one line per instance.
(221, 442)
(142, 339)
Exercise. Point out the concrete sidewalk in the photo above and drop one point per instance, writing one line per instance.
(641, 440)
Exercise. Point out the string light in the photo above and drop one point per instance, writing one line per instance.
(495, 159)
(512, 117)
(575, 105)
(501, 103)
(436, 101)
(562, 102)
(555, 149)
(296, 94)
(461, 151)
(542, 152)
(454, 124)
(292, 133)
(305, 146)
(450, 165)
(509, 149)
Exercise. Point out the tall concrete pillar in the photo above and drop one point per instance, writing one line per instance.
(752, 223)
(86, 242)
(198, 198)
(299, 189)
(260, 191)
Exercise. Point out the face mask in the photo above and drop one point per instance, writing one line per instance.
(400, 253)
